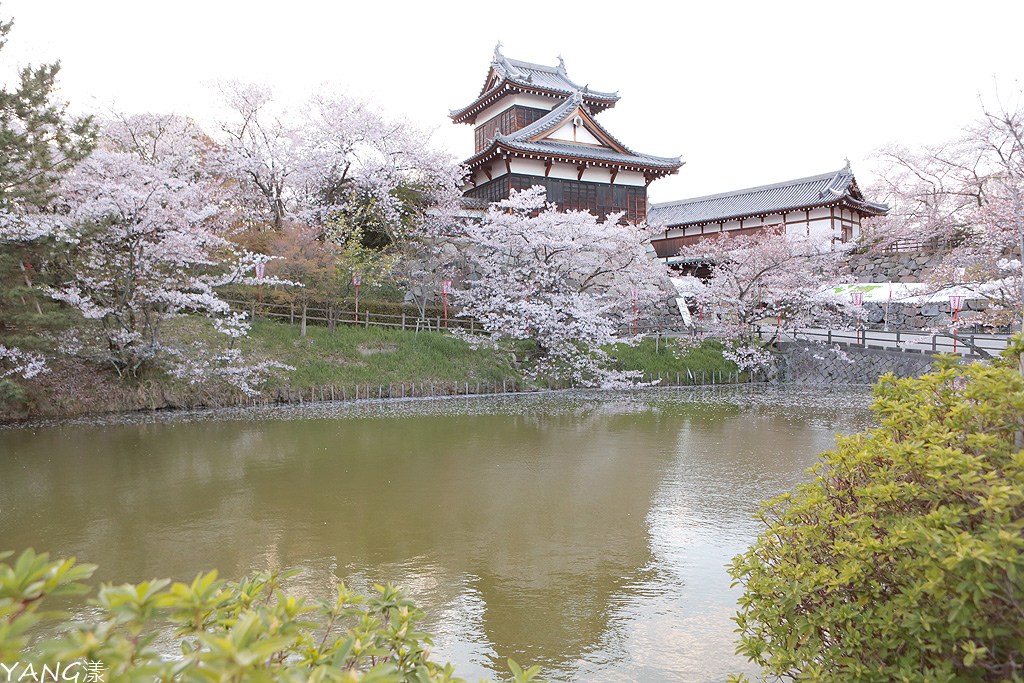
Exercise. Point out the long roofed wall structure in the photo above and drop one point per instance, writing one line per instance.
(829, 205)
(535, 126)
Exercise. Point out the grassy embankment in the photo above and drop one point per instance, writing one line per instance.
(348, 361)
(353, 357)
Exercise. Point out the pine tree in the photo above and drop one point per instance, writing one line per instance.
(37, 140)
(38, 143)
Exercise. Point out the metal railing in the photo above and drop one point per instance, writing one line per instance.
(973, 345)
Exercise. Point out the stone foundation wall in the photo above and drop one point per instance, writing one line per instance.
(820, 364)
(914, 316)
(910, 267)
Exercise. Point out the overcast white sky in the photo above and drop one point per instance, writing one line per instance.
(748, 93)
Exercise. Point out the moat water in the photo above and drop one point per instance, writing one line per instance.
(585, 532)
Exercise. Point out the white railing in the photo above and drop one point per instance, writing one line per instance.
(898, 340)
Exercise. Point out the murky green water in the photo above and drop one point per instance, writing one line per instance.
(583, 532)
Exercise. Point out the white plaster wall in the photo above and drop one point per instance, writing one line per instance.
(630, 178)
(535, 167)
(594, 174)
(567, 172)
(571, 133)
(598, 175)
(527, 166)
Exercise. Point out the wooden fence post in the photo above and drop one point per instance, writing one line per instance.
(302, 325)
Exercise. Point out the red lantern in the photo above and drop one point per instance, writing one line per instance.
(446, 289)
(261, 268)
(857, 298)
(956, 303)
(357, 280)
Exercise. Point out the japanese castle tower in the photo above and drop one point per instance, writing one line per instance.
(534, 126)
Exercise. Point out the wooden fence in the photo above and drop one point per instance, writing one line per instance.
(330, 316)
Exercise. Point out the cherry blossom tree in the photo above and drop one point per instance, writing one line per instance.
(379, 175)
(14, 361)
(333, 157)
(143, 244)
(564, 280)
(768, 276)
(260, 153)
(933, 193)
(968, 196)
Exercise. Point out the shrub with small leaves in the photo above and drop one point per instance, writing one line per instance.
(903, 560)
(236, 632)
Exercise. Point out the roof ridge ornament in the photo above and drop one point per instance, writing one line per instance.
(497, 53)
(561, 66)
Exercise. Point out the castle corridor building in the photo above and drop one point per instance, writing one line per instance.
(829, 205)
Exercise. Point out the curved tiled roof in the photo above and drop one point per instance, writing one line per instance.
(618, 155)
(512, 74)
(546, 77)
(820, 190)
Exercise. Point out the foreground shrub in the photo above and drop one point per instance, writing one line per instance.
(244, 631)
(904, 559)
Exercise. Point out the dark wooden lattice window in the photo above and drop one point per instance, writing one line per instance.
(509, 121)
(636, 204)
(493, 191)
(599, 199)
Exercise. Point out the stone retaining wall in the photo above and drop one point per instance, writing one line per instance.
(914, 316)
(819, 364)
(910, 267)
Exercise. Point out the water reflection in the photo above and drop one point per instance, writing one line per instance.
(584, 532)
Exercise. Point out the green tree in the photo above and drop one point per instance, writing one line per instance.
(38, 142)
(903, 560)
(226, 632)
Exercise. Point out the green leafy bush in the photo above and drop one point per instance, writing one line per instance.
(248, 630)
(904, 559)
